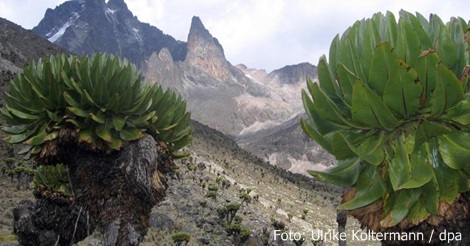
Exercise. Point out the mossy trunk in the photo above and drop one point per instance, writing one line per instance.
(120, 189)
(54, 219)
(113, 192)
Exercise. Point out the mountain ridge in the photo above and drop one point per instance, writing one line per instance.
(116, 30)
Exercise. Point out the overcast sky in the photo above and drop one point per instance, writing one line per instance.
(266, 34)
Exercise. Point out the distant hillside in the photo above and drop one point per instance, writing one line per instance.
(287, 146)
(19, 47)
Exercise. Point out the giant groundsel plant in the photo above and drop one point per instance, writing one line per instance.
(392, 106)
(101, 101)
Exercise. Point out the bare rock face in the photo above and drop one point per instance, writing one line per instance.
(205, 52)
(91, 26)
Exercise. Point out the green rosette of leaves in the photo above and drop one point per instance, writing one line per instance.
(101, 101)
(392, 106)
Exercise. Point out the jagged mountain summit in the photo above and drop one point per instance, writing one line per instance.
(90, 26)
(235, 100)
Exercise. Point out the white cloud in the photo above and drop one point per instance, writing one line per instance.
(259, 33)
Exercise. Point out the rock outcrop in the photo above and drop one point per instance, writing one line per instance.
(205, 52)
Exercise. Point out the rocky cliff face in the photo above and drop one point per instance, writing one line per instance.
(219, 94)
(205, 52)
(90, 26)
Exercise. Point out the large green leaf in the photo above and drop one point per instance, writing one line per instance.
(382, 67)
(104, 132)
(457, 28)
(427, 130)
(408, 43)
(333, 53)
(369, 146)
(346, 80)
(38, 139)
(21, 106)
(70, 100)
(403, 90)
(22, 115)
(430, 196)
(327, 79)
(129, 134)
(328, 110)
(417, 27)
(401, 203)
(455, 149)
(16, 129)
(118, 122)
(448, 92)
(322, 126)
(79, 112)
(347, 55)
(426, 69)
(420, 171)
(369, 188)
(369, 41)
(447, 178)
(405, 170)
(20, 137)
(341, 148)
(443, 42)
(344, 173)
(460, 112)
(369, 109)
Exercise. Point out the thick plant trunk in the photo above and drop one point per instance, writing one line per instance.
(119, 189)
(113, 192)
(52, 220)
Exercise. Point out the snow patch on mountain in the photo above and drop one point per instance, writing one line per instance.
(136, 35)
(56, 33)
(109, 13)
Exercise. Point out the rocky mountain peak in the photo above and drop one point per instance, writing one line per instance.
(292, 74)
(205, 52)
(90, 26)
(197, 30)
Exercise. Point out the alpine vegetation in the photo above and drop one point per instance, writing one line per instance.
(101, 101)
(115, 134)
(392, 106)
